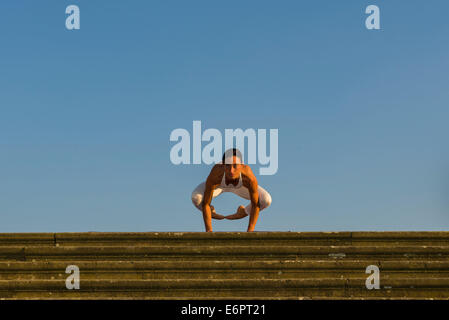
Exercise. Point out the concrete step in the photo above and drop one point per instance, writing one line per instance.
(265, 288)
(36, 265)
(180, 253)
(219, 275)
(225, 238)
(50, 270)
(226, 265)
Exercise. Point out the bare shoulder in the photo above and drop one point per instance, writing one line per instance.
(248, 177)
(215, 175)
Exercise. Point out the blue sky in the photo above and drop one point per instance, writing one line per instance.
(86, 115)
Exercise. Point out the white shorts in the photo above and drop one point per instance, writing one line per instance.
(198, 193)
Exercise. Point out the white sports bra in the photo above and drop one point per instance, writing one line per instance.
(231, 186)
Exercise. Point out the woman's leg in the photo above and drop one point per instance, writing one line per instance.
(264, 202)
(197, 198)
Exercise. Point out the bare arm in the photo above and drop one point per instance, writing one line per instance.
(207, 198)
(255, 207)
(208, 210)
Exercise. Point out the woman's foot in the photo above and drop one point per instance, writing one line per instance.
(216, 215)
(241, 213)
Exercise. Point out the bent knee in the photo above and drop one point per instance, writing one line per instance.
(196, 199)
(266, 201)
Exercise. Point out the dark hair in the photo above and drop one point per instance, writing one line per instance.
(232, 152)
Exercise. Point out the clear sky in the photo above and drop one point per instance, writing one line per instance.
(86, 115)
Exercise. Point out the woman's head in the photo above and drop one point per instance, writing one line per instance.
(232, 159)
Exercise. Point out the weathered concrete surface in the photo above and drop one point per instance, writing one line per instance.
(225, 265)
